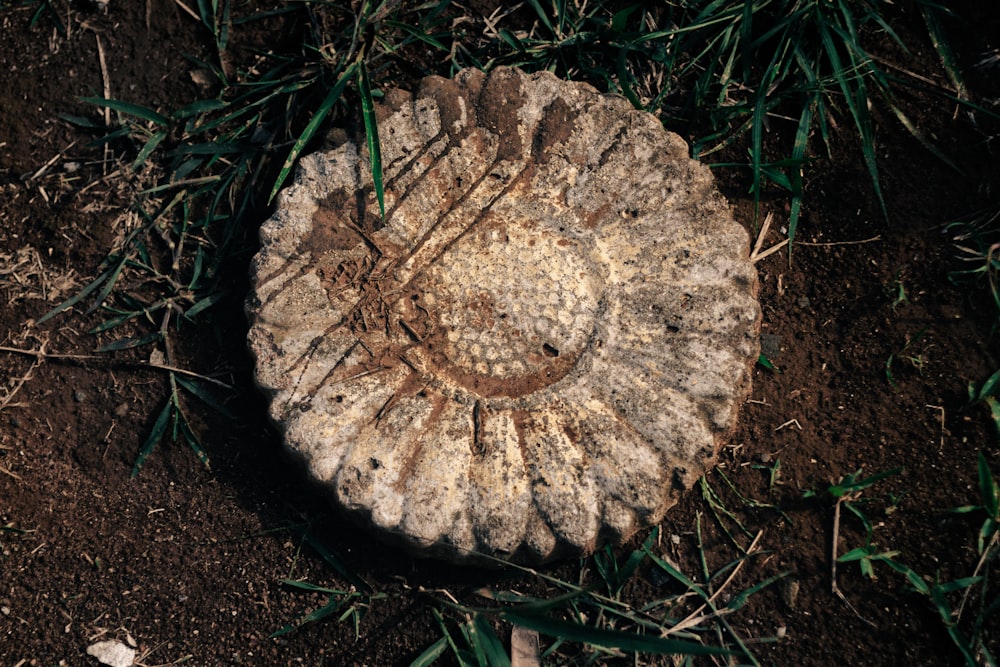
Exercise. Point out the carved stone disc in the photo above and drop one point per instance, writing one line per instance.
(544, 342)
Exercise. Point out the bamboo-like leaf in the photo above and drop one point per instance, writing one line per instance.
(154, 437)
(371, 135)
(324, 108)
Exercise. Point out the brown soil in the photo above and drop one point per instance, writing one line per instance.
(187, 560)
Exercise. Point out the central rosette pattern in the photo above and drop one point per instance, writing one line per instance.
(509, 301)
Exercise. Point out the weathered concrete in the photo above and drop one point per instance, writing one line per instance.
(543, 344)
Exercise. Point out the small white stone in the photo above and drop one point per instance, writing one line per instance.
(112, 653)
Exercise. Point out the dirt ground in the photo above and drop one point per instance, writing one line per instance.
(187, 561)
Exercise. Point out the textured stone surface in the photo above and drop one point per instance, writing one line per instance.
(543, 344)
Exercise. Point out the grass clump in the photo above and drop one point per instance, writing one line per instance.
(209, 168)
(590, 621)
(949, 599)
(723, 70)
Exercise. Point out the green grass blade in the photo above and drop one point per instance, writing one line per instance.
(850, 484)
(312, 588)
(148, 148)
(740, 600)
(994, 405)
(682, 578)
(192, 439)
(610, 639)
(943, 47)
(990, 386)
(799, 148)
(128, 108)
(371, 135)
(857, 102)
(332, 606)
(543, 17)
(486, 644)
(431, 654)
(203, 304)
(418, 34)
(450, 642)
(129, 343)
(917, 134)
(154, 437)
(988, 488)
(767, 364)
(335, 562)
(204, 396)
(111, 275)
(324, 108)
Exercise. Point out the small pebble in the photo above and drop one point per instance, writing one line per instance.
(790, 593)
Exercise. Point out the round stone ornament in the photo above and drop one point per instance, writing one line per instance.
(542, 344)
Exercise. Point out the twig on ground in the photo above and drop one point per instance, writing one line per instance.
(45, 167)
(828, 244)
(979, 566)
(42, 354)
(106, 79)
(695, 618)
(5, 402)
(790, 422)
(756, 255)
(833, 564)
(187, 9)
(940, 409)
